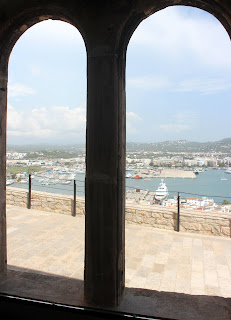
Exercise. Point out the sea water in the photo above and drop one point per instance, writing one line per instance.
(208, 183)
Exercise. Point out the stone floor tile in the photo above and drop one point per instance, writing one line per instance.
(197, 242)
(155, 259)
(211, 278)
(148, 260)
(198, 291)
(212, 290)
(197, 266)
(197, 280)
(157, 267)
(182, 285)
(223, 271)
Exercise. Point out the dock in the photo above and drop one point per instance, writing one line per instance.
(168, 173)
(174, 173)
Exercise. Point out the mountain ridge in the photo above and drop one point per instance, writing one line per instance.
(223, 146)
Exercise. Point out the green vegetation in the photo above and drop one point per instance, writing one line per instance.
(225, 202)
(21, 169)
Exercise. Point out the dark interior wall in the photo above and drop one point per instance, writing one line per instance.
(106, 27)
(99, 21)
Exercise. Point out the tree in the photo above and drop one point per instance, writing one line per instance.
(225, 202)
(151, 164)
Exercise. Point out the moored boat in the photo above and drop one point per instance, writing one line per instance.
(128, 175)
(9, 182)
(161, 192)
(228, 170)
(137, 177)
(66, 182)
(24, 181)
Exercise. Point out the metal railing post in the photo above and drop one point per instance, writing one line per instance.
(74, 201)
(29, 194)
(178, 212)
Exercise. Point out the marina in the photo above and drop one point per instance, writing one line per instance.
(211, 184)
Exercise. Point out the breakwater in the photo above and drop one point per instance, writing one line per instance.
(212, 223)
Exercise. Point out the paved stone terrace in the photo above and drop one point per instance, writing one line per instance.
(167, 273)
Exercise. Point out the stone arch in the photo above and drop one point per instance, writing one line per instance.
(106, 27)
(147, 8)
(216, 10)
(13, 28)
(27, 18)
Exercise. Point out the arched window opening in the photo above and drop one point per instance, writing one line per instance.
(178, 93)
(46, 126)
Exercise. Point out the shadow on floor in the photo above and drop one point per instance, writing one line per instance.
(49, 287)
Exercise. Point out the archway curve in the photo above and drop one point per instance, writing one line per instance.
(12, 27)
(146, 9)
(22, 22)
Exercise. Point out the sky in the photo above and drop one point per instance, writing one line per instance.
(178, 81)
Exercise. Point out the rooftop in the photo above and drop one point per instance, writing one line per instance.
(168, 274)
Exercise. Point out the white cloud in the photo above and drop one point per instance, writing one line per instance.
(148, 82)
(19, 90)
(199, 85)
(175, 127)
(181, 121)
(203, 86)
(55, 30)
(176, 32)
(132, 116)
(56, 123)
(132, 119)
(35, 69)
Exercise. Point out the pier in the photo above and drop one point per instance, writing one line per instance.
(167, 173)
(174, 173)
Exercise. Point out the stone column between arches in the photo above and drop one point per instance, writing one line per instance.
(104, 276)
(3, 112)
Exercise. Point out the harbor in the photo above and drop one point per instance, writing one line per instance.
(213, 185)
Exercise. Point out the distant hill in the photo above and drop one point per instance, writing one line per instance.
(223, 146)
(49, 147)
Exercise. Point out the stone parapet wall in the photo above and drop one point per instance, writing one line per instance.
(45, 201)
(155, 216)
(203, 222)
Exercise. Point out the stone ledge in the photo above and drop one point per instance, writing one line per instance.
(211, 223)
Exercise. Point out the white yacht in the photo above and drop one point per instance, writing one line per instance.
(24, 181)
(66, 182)
(161, 192)
(9, 182)
(228, 170)
(198, 170)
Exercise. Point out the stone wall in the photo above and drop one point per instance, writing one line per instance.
(45, 201)
(203, 222)
(212, 223)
